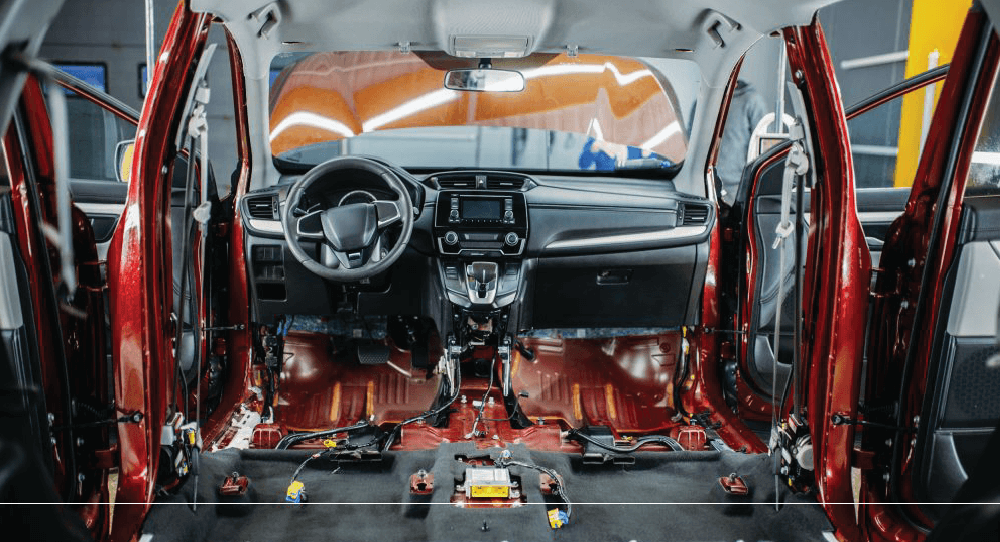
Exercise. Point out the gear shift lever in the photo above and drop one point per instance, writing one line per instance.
(481, 281)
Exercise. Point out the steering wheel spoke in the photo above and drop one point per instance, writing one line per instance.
(309, 226)
(388, 213)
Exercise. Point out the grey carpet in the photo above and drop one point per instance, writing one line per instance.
(664, 496)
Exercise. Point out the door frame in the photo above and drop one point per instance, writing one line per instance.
(744, 255)
(919, 250)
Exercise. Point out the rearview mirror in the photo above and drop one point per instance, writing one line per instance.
(484, 80)
(123, 159)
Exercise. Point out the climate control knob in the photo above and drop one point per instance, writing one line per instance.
(511, 239)
(451, 238)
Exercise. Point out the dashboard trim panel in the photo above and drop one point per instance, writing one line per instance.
(624, 240)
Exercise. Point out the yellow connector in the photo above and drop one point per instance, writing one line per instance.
(296, 492)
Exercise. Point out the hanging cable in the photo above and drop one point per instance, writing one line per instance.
(482, 403)
(430, 413)
(638, 443)
(295, 438)
(506, 461)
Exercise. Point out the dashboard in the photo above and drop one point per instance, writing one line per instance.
(554, 251)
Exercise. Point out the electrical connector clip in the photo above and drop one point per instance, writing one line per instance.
(558, 518)
(296, 492)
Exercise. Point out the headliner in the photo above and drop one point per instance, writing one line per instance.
(714, 34)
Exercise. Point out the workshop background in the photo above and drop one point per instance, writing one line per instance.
(874, 44)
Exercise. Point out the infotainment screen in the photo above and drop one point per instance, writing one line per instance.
(478, 209)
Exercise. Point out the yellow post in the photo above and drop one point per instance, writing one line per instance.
(934, 28)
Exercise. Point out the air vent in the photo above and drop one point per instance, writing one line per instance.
(505, 183)
(457, 182)
(694, 214)
(265, 207)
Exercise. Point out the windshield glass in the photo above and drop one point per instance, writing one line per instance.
(587, 112)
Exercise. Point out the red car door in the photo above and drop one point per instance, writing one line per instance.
(751, 277)
(61, 353)
(931, 379)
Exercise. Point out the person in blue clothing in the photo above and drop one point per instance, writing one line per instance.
(605, 156)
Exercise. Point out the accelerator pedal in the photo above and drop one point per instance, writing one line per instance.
(373, 354)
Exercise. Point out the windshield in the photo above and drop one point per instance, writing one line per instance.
(580, 113)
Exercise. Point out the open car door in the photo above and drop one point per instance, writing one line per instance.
(933, 371)
(753, 260)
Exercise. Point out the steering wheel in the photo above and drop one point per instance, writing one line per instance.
(350, 235)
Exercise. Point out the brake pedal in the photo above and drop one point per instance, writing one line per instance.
(373, 354)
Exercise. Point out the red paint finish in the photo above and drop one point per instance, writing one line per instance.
(138, 271)
(82, 336)
(34, 248)
(238, 349)
(837, 275)
(623, 383)
(754, 403)
(898, 289)
(702, 393)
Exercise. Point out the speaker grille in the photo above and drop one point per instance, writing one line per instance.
(974, 388)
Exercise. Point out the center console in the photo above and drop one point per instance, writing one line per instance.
(480, 235)
(480, 224)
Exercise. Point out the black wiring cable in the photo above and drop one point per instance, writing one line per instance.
(507, 419)
(679, 383)
(639, 442)
(561, 490)
(295, 438)
(303, 465)
(290, 440)
(482, 403)
(458, 386)
(185, 262)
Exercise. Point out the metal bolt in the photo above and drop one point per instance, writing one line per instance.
(464, 399)
(885, 477)
(52, 418)
(81, 477)
(888, 442)
(53, 441)
(798, 74)
(79, 441)
(916, 420)
(912, 262)
(496, 437)
(904, 304)
(490, 401)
